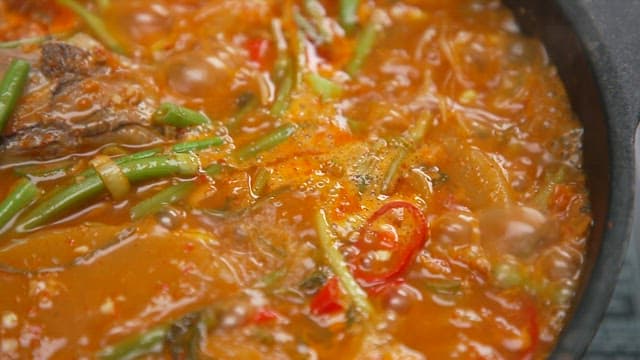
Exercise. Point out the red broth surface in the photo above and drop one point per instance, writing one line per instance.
(351, 180)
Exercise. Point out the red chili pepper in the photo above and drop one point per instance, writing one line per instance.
(327, 300)
(263, 316)
(257, 48)
(399, 238)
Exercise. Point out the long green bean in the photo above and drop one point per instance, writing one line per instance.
(285, 87)
(338, 265)
(266, 142)
(150, 342)
(22, 195)
(179, 116)
(95, 23)
(196, 145)
(348, 14)
(92, 186)
(123, 159)
(11, 88)
(364, 45)
(165, 197)
(324, 87)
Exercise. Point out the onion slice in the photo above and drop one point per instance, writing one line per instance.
(112, 176)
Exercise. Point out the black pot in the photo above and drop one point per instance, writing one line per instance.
(602, 97)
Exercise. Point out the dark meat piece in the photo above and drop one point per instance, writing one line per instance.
(59, 59)
(79, 98)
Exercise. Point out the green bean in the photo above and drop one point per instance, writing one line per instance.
(179, 116)
(92, 186)
(94, 23)
(266, 142)
(150, 342)
(214, 169)
(285, 87)
(324, 87)
(348, 14)
(11, 88)
(338, 265)
(196, 145)
(22, 195)
(167, 196)
(364, 45)
(123, 159)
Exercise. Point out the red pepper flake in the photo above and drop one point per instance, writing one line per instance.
(327, 299)
(264, 316)
(257, 48)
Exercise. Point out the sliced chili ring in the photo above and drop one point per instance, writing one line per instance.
(388, 243)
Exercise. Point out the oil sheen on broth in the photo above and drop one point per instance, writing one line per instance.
(261, 179)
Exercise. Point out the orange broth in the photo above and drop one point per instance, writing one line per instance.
(452, 112)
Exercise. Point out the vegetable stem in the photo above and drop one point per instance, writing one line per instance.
(77, 194)
(266, 142)
(196, 145)
(95, 23)
(167, 196)
(179, 116)
(324, 87)
(23, 194)
(285, 88)
(149, 342)
(339, 266)
(11, 88)
(348, 14)
(364, 45)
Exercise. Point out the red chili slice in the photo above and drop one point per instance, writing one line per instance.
(257, 48)
(327, 300)
(388, 243)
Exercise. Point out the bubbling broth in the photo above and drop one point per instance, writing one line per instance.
(218, 179)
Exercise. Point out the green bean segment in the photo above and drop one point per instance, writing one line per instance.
(364, 45)
(266, 142)
(135, 171)
(348, 14)
(94, 23)
(167, 196)
(179, 116)
(324, 87)
(197, 145)
(338, 264)
(22, 195)
(11, 88)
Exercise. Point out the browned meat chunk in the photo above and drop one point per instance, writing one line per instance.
(79, 98)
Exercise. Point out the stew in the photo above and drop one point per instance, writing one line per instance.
(297, 179)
